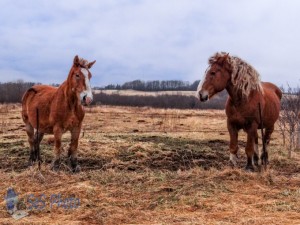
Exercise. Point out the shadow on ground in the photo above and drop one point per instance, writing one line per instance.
(144, 153)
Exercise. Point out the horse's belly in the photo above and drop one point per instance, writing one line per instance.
(47, 130)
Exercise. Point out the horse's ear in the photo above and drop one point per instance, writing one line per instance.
(89, 66)
(226, 56)
(76, 60)
(223, 59)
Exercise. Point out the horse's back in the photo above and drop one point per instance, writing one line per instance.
(38, 96)
(270, 87)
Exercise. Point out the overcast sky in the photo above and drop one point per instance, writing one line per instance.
(147, 39)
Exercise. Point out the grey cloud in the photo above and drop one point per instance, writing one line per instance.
(146, 39)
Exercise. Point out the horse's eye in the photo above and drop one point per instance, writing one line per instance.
(212, 73)
(77, 76)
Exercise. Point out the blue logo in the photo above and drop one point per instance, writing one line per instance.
(40, 202)
(11, 199)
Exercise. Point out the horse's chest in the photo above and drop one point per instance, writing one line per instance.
(242, 121)
(72, 121)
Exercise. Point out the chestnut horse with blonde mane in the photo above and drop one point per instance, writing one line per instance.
(246, 92)
(58, 110)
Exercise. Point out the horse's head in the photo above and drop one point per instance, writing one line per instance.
(79, 80)
(215, 78)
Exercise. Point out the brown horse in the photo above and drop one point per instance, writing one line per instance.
(246, 92)
(59, 110)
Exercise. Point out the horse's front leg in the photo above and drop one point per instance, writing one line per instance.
(251, 141)
(57, 130)
(72, 152)
(233, 146)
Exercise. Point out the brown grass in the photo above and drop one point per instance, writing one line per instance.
(150, 166)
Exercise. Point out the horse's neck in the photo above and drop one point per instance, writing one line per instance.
(67, 96)
(236, 95)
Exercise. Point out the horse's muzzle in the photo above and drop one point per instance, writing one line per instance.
(86, 100)
(203, 97)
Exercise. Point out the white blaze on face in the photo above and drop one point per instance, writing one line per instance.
(88, 92)
(199, 88)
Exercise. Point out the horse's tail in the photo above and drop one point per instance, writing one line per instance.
(25, 98)
(27, 93)
(278, 92)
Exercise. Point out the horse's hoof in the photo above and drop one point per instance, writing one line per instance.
(77, 169)
(256, 163)
(74, 165)
(256, 160)
(32, 157)
(249, 168)
(264, 161)
(54, 168)
(264, 158)
(55, 165)
(30, 163)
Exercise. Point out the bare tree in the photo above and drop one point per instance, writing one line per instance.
(298, 133)
(289, 122)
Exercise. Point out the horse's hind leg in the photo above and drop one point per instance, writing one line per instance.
(267, 138)
(32, 140)
(37, 141)
(256, 151)
(30, 133)
(251, 139)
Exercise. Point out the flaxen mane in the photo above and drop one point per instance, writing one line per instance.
(244, 77)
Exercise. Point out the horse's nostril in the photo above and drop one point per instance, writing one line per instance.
(203, 98)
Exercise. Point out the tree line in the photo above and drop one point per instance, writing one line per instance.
(155, 85)
(12, 92)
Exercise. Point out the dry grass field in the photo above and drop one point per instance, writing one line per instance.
(148, 166)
